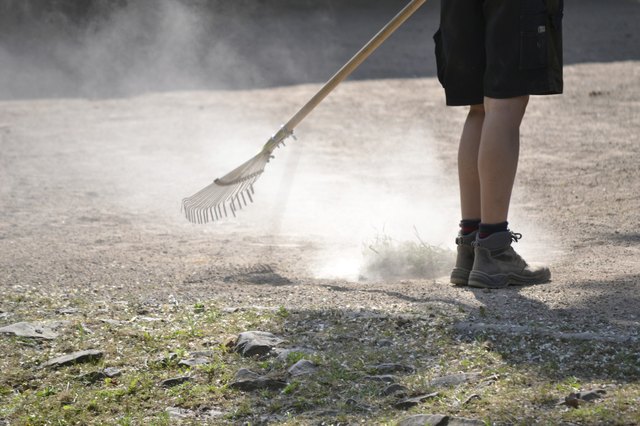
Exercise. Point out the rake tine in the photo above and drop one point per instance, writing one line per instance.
(243, 199)
(233, 210)
(249, 195)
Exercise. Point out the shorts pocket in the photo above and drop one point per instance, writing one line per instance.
(533, 41)
(440, 58)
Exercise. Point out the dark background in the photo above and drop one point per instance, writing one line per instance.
(107, 48)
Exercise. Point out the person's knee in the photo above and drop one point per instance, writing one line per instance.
(508, 104)
(476, 110)
(514, 107)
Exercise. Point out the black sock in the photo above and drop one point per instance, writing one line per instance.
(486, 229)
(468, 226)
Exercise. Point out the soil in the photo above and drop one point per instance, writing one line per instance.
(91, 192)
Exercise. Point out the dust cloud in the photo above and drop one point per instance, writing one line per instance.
(112, 48)
(142, 126)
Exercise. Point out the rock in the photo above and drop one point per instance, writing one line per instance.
(389, 368)
(175, 381)
(247, 380)
(577, 399)
(591, 395)
(425, 420)
(386, 378)
(33, 330)
(179, 413)
(112, 372)
(192, 362)
(92, 377)
(413, 401)
(67, 311)
(147, 319)
(252, 343)
(74, 358)
(454, 379)
(384, 343)
(396, 390)
(302, 368)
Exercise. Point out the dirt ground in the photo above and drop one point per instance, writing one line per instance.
(90, 198)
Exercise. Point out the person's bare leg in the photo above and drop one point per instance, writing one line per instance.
(468, 163)
(498, 155)
(469, 193)
(496, 264)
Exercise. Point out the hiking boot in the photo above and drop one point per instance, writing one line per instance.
(497, 265)
(464, 261)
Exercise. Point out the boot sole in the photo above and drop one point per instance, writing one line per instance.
(460, 276)
(481, 280)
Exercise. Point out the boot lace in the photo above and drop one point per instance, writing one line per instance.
(515, 236)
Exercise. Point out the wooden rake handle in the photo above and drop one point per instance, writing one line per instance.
(345, 71)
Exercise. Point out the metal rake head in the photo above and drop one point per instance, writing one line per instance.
(227, 194)
(234, 190)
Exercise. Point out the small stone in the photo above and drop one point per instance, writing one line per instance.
(454, 379)
(179, 413)
(247, 380)
(384, 343)
(577, 399)
(192, 362)
(67, 311)
(150, 319)
(27, 329)
(591, 395)
(252, 343)
(175, 381)
(386, 378)
(412, 402)
(425, 420)
(112, 372)
(396, 390)
(74, 358)
(302, 368)
(389, 368)
(92, 377)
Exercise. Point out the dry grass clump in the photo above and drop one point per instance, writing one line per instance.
(386, 258)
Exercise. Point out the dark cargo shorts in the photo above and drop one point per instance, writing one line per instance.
(499, 49)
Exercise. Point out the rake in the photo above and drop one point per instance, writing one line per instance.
(233, 191)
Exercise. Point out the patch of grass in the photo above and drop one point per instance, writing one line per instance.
(386, 258)
(521, 378)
